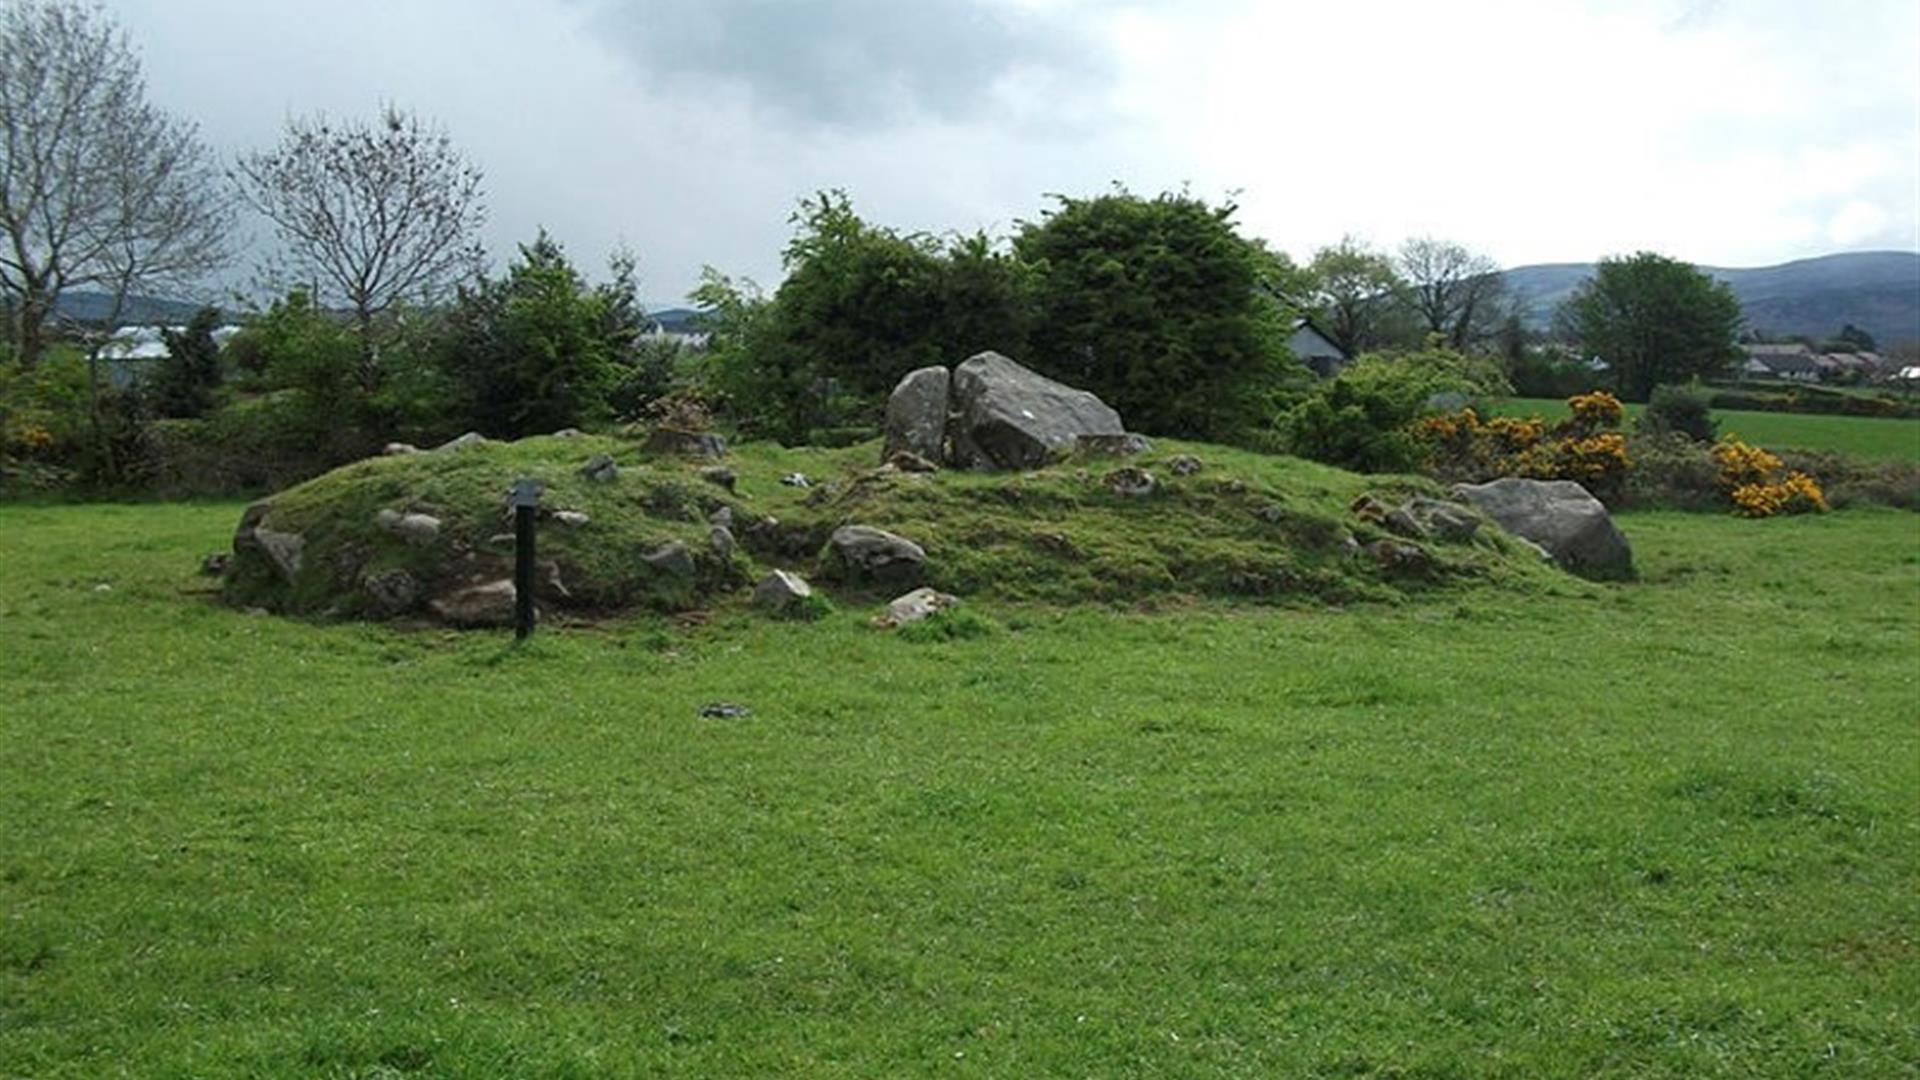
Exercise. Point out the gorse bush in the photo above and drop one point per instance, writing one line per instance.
(1583, 448)
(1760, 485)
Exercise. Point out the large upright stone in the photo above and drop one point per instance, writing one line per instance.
(1007, 417)
(1561, 517)
(917, 415)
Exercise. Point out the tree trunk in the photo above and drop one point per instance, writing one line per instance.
(30, 328)
(369, 363)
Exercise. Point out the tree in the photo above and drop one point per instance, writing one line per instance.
(1853, 339)
(1654, 320)
(861, 306)
(186, 383)
(1355, 289)
(1454, 292)
(97, 186)
(539, 350)
(369, 215)
(1160, 307)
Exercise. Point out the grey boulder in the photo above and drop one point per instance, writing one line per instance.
(917, 415)
(782, 592)
(914, 606)
(859, 554)
(1561, 517)
(419, 529)
(673, 558)
(390, 592)
(487, 604)
(1008, 417)
(601, 469)
(470, 439)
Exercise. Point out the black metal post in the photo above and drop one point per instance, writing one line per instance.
(526, 503)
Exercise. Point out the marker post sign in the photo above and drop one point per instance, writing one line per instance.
(525, 500)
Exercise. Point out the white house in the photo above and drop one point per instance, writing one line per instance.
(1791, 361)
(1316, 350)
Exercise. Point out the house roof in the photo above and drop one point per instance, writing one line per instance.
(1305, 324)
(1791, 348)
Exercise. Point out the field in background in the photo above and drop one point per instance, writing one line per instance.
(1864, 436)
(1665, 828)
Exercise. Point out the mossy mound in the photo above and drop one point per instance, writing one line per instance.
(1240, 525)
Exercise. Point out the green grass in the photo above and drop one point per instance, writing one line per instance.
(1666, 828)
(1872, 437)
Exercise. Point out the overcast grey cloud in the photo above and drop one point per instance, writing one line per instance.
(851, 63)
(1556, 130)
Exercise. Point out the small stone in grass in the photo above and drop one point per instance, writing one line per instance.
(723, 710)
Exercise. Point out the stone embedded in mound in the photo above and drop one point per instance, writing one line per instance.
(859, 555)
(1111, 445)
(917, 415)
(782, 593)
(1184, 465)
(674, 559)
(421, 529)
(600, 469)
(907, 461)
(390, 592)
(487, 604)
(1131, 482)
(1421, 518)
(470, 439)
(398, 449)
(252, 539)
(1008, 417)
(1401, 557)
(1561, 517)
(283, 549)
(685, 443)
(914, 606)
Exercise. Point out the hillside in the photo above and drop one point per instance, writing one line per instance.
(1878, 291)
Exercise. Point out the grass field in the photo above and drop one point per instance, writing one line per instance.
(1863, 436)
(1666, 828)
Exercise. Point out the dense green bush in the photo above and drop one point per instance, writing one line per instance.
(1671, 470)
(1360, 419)
(861, 306)
(539, 349)
(1685, 408)
(1356, 426)
(1160, 307)
(1550, 373)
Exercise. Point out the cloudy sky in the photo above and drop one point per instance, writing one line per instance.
(1726, 132)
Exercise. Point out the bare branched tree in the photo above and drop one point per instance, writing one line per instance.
(369, 215)
(1355, 290)
(97, 186)
(1455, 292)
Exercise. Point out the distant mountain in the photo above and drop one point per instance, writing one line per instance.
(140, 310)
(1877, 291)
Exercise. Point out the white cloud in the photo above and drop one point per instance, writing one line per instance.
(1734, 134)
